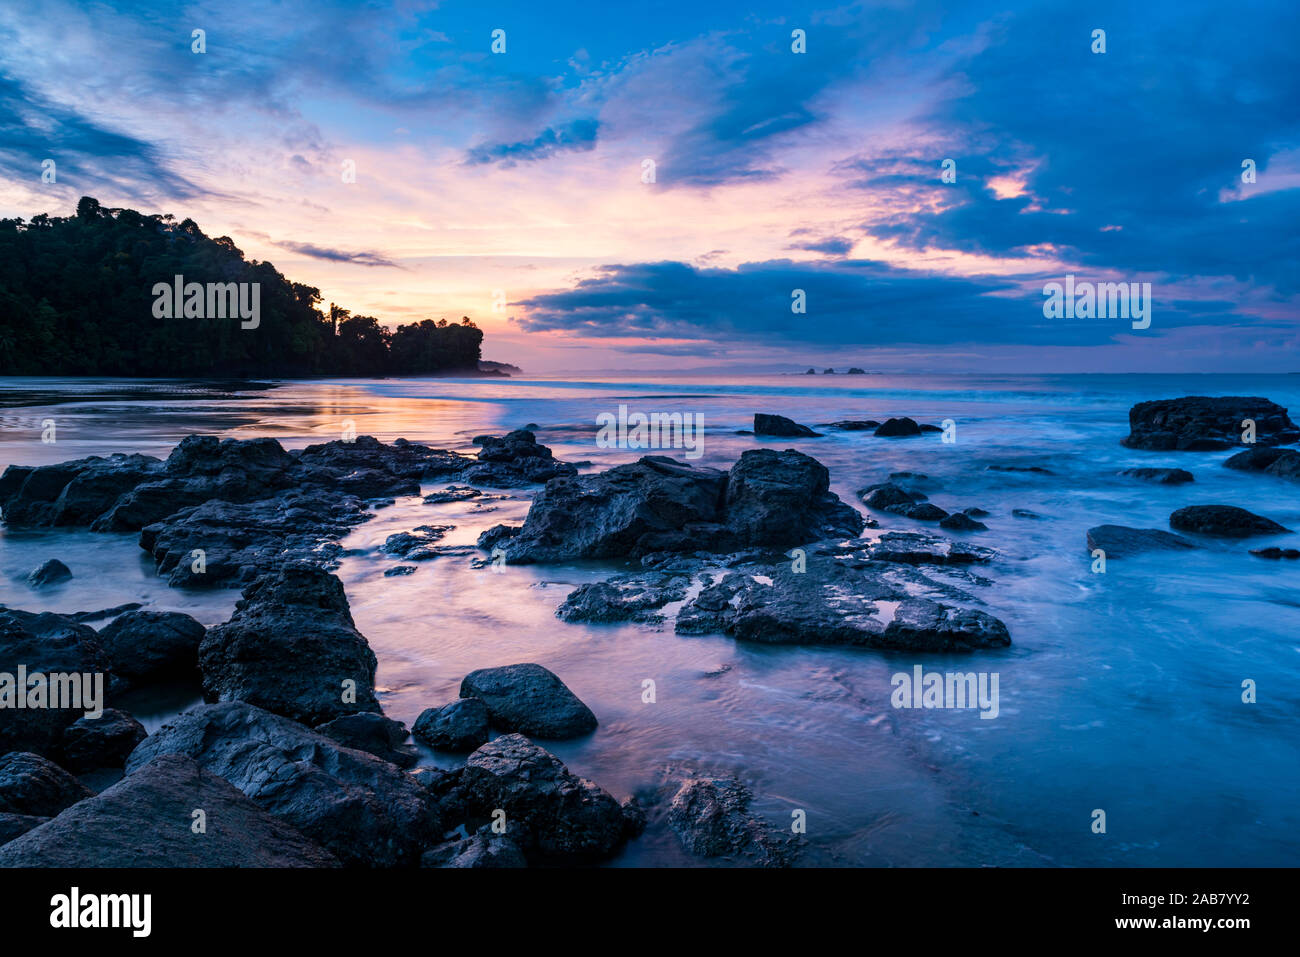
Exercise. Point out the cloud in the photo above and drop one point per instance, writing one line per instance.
(337, 255)
(580, 135)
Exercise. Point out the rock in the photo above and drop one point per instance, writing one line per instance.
(853, 425)
(1227, 521)
(290, 647)
(780, 427)
(1280, 463)
(856, 371)
(711, 817)
(16, 825)
(835, 602)
(514, 460)
(415, 545)
(624, 598)
(459, 726)
(452, 493)
(103, 742)
(483, 849)
(1026, 513)
(898, 428)
(497, 534)
(147, 820)
(554, 816)
(811, 372)
(961, 522)
(146, 646)
(887, 495)
(374, 733)
(924, 512)
(1037, 469)
(1120, 541)
(828, 372)
(657, 504)
(398, 570)
(1160, 476)
(529, 699)
(33, 785)
(365, 811)
(47, 644)
(1197, 423)
(911, 548)
(51, 572)
(70, 493)
(975, 512)
(1273, 552)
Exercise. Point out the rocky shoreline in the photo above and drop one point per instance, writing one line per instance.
(291, 760)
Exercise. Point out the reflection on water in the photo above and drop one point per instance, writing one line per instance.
(1121, 691)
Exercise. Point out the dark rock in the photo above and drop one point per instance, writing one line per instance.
(289, 648)
(1119, 541)
(711, 817)
(1025, 513)
(70, 493)
(975, 512)
(780, 427)
(1035, 469)
(452, 493)
(148, 646)
(497, 534)
(1280, 463)
(33, 785)
(147, 820)
(51, 572)
(529, 699)
(898, 428)
(779, 499)
(886, 495)
(364, 810)
(1226, 521)
(961, 522)
(856, 371)
(1198, 423)
(854, 425)
(514, 460)
(1273, 552)
(1160, 476)
(374, 733)
(911, 548)
(398, 570)
(924, 512)
(415, 545)
(103, 742)
(553, 815)
(484, 849)
(16, 825)
(459, 726)
(624, 598)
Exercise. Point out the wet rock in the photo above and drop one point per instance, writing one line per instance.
(1026, 513)
(853, 425)
(711, 817)
(1032, 469)
(1273, 552)
(103, 742)
(51, 572)
(452, 493)
(513, 460)
(1199, 423)
(415, 545)
(623, 598)
(910, 548)
(365, 811)
(16, 825)
(922, 512)
(290, 647)
(459, 726)
(779, 499)
(975, 512)
(529, 699)
(497, 534)
(398, 570)
(1160, 476)
(898, 428)
(33, 785)
(554, 816)
(961, 522)
(1120, 541)
(146, 820)
(483, 849)
(1226, 521)
(146, 646)
(70, 493)
(778, 426)
(1280, 463)
(374, 733)
(887, 495)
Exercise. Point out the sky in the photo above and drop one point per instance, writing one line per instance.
(645, 186)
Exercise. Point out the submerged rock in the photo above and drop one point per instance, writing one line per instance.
(415, 545)
(898, 428)
(1280, 463)
(1120, 541)
(711, 817)
(1227, 521)
(1273, 552)
(1160, 476)
(779, 426)
(962, 522)
(624, 598)
(147, 820)
(853, 425)
(291, 647)
(51, 572)
(364, 810)
(529, 699)
(922, 512)
(1197, 423)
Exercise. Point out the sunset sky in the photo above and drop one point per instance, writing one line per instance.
(774, 170)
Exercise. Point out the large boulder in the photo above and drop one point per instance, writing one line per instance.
(148, 646)
(364, 810)
(459, 726)
(529, 699)
(553, 815)
(103, 742)
(513, 460)
(51, 572)
(1280, 463)
(1197, 423)
(780, 499)
(1121, 541)
(291, 647)
(148, 820)
(71, 493)
(1226, 521)
(898, 428)
(779, 426)
(33, 785)
(381, 736)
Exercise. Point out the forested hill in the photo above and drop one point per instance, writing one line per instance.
(96, 294)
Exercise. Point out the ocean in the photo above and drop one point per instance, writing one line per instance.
(1120, 692)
